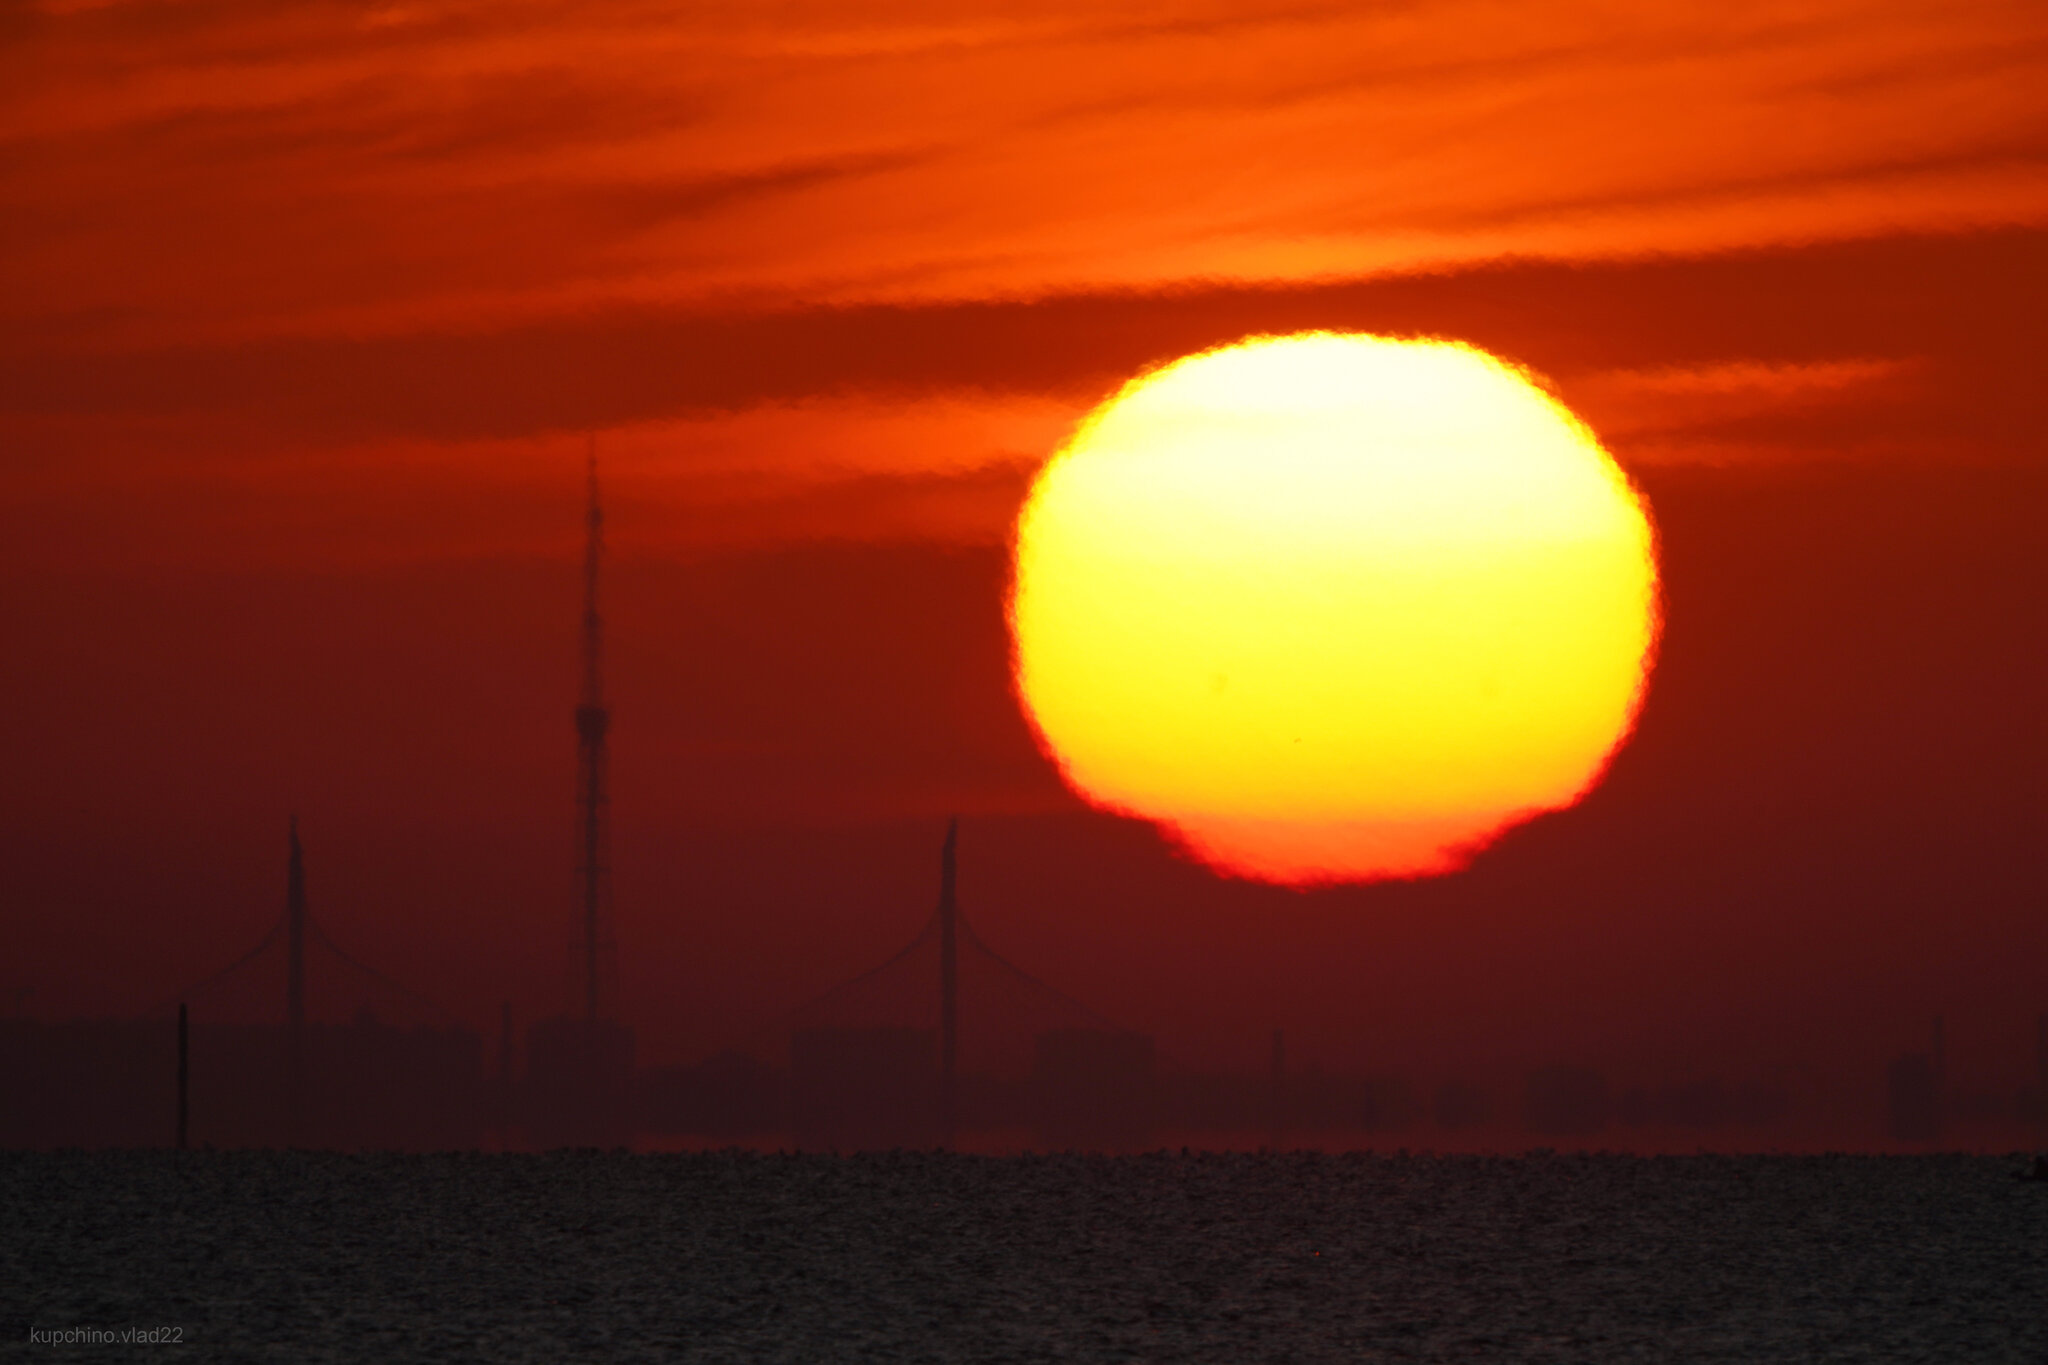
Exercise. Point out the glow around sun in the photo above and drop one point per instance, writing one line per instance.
(1333, 607)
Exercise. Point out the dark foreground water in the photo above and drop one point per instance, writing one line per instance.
(910, 1257)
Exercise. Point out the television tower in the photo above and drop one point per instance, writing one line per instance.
(593, 720)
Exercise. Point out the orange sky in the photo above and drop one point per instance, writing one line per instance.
(305, 312)
(216, 214)
(234, 169)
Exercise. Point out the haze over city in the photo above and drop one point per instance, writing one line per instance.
(1187, 681)
(310, 318)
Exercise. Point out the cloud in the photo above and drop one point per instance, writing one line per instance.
(1746, 411)
(228, 169)
(923, 423)
(950, 471)
(1969, 306)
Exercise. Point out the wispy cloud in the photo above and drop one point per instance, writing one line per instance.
(824, 274)
(1970, 303)
(228, 168)
(1750, 412)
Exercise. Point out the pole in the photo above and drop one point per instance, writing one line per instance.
(184, 1076)
(1277, 1092)
(2041, 1067)
(295, 989)
(949, 987)
(593, 720)
(504, 1105)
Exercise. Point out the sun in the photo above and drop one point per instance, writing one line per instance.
(1333, 607)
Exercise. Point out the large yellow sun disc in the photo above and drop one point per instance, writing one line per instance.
(1333, 607)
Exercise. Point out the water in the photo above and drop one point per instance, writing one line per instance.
(924, 1257)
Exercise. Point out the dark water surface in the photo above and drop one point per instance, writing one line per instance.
(913, 1257)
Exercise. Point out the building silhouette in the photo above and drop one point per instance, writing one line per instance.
(941, 1039)
(1566, 1101)
(1461, 1105)
(294, 1044)
(1094, 1089)
(1915, 1086)
(867, 1089)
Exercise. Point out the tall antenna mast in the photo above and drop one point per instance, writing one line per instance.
(593, 720)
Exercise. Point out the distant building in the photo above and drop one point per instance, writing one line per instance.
(1566, 1101)
(865, 1089)
(91, 1083)
(1462, 1106)
(1323, 1102)
(1703, 1104)
(1697, 1104)
(367, 1085)
(1916, 1088)
(2031, 1104)
(579, 1083)
(730, 1095)
(1093, 1089)
(1913, 1098)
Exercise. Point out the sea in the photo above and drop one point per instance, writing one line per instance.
(901, 1257)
